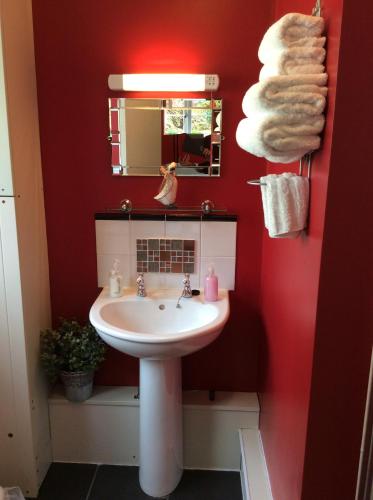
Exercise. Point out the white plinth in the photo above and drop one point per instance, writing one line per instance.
(161, 452)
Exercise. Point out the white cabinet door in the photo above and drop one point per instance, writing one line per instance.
(17, 449)
(8, 453)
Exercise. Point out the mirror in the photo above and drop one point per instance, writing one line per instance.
(148, 133)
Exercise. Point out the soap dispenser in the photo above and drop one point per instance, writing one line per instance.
(115, 280)
(211, 285)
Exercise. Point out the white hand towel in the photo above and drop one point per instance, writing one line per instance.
(285, 204)
(304, 94)
(298, 60)
(280, 138)
(263, 187)
(292, 30)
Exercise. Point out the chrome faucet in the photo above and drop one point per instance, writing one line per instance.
(187, 291)
(141, 285)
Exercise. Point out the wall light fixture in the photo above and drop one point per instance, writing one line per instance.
(164, 82)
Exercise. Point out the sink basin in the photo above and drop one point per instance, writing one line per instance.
(152, 326)
(153, 329)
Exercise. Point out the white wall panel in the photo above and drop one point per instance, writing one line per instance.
(105, 428)
(24, 245)
(8, 445)
(21, 427)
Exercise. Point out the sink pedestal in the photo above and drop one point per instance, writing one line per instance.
(153, 329)
(161, 434)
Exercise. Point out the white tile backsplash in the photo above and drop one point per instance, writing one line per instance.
(145, 229)
(105, 265)
(189, 230)
(215, 243)
(155, 280)
(218, 239)
(152, 280)
(176, 281)
(112, 236)
(225, 270)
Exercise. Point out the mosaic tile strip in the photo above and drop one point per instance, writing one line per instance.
(165, 255)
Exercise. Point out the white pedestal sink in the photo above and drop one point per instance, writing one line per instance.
(154, 330)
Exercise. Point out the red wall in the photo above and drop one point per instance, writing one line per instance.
(314, 364)
(290, 279)
(78, 44)
(314, 360)
(344, 330)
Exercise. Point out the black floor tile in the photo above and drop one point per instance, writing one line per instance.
(114, 482)
(67, 482)
(208, 485)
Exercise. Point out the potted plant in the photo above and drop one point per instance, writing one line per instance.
(72, 352)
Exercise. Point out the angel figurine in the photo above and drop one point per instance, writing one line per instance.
(168, 189)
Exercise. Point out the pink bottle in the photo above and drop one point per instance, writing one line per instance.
(211, 285)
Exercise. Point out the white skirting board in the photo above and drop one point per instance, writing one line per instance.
(254, 473)
(105, 428)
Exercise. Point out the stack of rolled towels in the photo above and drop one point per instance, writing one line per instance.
(285, 108)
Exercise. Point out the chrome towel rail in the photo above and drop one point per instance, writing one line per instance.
(305, 159)
(256, 182)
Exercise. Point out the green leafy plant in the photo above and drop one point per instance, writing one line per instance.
(71, 348)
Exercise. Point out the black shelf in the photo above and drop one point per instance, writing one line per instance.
(165, 215)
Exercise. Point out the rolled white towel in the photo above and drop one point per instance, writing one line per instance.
(291, 133)
(302, 69)
(279, 138)
(285, 204)
(298, 60)
(292, 30)
(304, 94)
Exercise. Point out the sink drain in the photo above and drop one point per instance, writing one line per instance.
(162, 306)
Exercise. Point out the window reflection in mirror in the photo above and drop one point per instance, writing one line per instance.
(148, 133)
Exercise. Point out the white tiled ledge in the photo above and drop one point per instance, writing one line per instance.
(224, 401)
(125, 396)
(254, 473)
(105, 428)
(102, 395)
